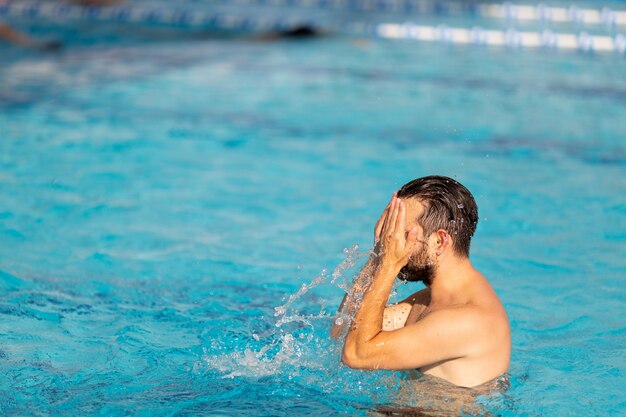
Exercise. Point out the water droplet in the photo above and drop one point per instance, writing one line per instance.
(339, 321)
(460, 206)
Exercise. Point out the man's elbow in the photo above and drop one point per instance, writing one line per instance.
(348, 360)
(352, 360)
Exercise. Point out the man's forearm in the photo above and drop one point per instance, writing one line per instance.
(368, 320)
(350, 303)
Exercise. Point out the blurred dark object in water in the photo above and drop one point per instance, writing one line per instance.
(15, 37)
(303, 31)
(296, 32)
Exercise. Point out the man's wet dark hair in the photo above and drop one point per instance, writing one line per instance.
(448, 205)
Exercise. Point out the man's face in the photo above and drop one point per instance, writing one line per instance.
(420, 266)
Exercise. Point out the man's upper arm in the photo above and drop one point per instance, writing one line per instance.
(395, 315)
(441, 335)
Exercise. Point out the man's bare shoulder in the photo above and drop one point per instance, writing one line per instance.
(468, 327)
(484, 324)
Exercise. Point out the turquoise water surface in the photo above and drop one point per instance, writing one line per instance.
(178, 217)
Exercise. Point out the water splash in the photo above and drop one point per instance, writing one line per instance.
(352, 257)
(295, 341)
(281, 310)
(256, 364)
(339, 279)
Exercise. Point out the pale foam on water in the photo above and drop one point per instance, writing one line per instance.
(294, 342)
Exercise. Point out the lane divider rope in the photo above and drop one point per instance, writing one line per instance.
(506, 10)
(198, 19)
(509, 11)
(151, 15)
(509, 38)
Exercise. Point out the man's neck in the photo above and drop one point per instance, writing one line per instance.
(453, 274)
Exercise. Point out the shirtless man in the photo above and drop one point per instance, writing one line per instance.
(456, 328)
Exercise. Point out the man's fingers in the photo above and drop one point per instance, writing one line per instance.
(381, 221)
(393, 215)
(396, 244)
(400, 219)
(380, 226)
(387, 222)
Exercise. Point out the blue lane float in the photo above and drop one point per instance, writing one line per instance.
(150, 15)
(506, 10)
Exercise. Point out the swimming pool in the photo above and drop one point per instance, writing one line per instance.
(160, 199)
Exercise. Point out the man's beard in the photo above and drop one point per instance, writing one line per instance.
(418, 268)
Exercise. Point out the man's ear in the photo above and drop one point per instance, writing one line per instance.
(443, 242)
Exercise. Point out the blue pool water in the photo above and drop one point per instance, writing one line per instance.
(164, 202)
